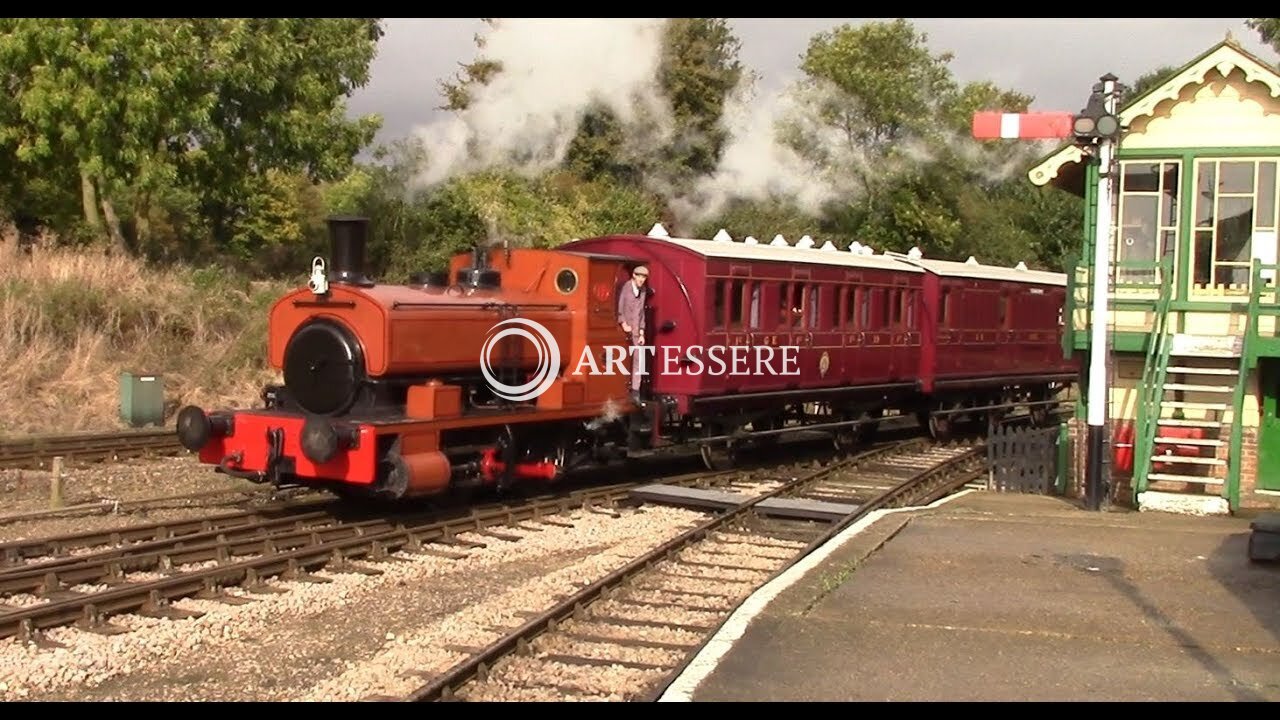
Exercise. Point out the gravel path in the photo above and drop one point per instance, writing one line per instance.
(343, 640)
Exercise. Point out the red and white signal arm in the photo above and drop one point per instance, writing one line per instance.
(993, 125)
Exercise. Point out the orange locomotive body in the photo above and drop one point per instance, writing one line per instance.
(385, 392)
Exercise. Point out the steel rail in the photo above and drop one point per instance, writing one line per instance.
(147, 597)
(445, 686)
(925, 487)
(13, 552)
(37, 452)
(288, 555)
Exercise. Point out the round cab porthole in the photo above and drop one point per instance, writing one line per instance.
(566, 281)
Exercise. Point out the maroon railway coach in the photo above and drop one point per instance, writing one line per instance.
(868, 333)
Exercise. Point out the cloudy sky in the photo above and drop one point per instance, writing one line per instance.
(1056, 61)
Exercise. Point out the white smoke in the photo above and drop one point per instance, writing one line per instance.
(760, 161)
(553, 72)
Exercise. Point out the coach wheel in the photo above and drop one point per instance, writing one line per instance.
(940, 427)
(846, 438)
(867, 432)
(721, 454)
(1040, 416)
(774, 422)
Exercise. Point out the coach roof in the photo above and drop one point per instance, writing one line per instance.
(723, 246)
(949, 268)
(789, 254)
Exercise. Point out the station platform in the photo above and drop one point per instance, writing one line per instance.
(1006, 597)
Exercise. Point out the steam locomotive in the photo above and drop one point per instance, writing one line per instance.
(512, 366)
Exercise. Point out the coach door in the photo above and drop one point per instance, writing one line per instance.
(905, 327)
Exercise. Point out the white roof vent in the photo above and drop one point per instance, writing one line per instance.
(867, 250)
(805, 242)
(828, 246)
(856, 248)
(779, 241)
(914, 253)
(1020, 266)
(658, 231)
(750, 241)
(723, 236)
(971, 261)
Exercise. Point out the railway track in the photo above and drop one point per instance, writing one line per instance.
(38, 452)
(84, 579)
(629, 634)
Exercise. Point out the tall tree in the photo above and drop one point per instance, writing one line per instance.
(890, 126)
(1149, 80)
(138, 105)
(1268, 29)
(698, 69)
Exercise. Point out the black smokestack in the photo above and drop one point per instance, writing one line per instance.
(347, 238)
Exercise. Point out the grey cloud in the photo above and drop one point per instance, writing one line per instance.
(1055, 60)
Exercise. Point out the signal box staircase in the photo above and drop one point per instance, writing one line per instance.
(1188, 435)
(1187, 416)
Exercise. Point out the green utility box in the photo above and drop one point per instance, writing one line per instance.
(141, 399)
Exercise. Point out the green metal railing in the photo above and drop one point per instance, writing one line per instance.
(1151, 391)
(1251, 344)
(1146, 294)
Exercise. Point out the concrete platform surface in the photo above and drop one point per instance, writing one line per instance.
(1012, 597)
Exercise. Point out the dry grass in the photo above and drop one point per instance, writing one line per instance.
(72, 321)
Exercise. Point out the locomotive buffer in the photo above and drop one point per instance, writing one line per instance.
(1096, 129)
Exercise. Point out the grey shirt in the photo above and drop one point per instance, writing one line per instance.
(631, 309)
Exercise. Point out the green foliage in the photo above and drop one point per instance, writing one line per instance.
(1149, 80)
(492, 208)
(1268, 29)
(763, 220)
(886, 80)
(127, 115)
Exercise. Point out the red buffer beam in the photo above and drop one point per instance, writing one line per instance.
(993, 125)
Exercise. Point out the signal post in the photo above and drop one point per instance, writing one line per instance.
(1096, 129)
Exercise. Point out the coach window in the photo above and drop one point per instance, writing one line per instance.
(864, 308)
(736, 290)
(755, 304)
(895, 308)
(811, 307)
(909, 300)
(790, 305)
(717, 308)
(944, 307)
